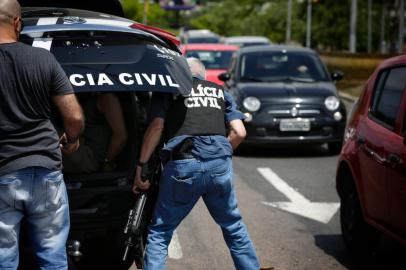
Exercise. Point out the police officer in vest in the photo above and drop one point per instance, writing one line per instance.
(198, 155)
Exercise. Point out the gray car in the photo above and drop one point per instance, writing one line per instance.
(287, 95)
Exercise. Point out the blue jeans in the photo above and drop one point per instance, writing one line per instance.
(182, 184)
(39, 195)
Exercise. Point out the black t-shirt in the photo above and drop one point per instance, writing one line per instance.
(29, 77)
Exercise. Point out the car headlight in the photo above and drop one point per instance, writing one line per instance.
(252, 104)
(332, 103)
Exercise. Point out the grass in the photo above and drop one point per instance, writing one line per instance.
(356, 67)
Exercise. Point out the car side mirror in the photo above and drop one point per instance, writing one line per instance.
(337, 75)
(224, 76)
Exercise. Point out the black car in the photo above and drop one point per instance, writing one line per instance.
(287, 96)
(101, 53)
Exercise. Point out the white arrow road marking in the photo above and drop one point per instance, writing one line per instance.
(298, 204)
(174, 249)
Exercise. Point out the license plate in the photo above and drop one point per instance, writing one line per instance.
(295, 124)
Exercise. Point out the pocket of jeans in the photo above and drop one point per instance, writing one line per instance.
(55, 190)
(8, 187)
(222, 181)
(183, 189)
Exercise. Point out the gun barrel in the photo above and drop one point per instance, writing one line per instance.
(138, 210)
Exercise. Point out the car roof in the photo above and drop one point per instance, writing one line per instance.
(393, 61)
(209, 47)
(275, 48)
(247, 39)
(45, 19)
(40, 12)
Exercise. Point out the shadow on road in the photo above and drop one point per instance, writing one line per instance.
(389, 255)
(283, 151)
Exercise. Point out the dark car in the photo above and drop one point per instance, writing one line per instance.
(101, 53)
(287, 95)
(371, 172)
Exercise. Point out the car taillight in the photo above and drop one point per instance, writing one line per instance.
(157, 31)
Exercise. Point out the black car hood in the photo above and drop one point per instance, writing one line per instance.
(291, 90)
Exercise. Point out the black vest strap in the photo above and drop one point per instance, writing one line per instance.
(200, 113)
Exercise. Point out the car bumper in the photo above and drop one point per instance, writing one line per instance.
(271, 135)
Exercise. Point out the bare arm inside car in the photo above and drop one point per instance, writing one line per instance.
(152, 137)
(72, 116)
(237, 133)
(110, 107)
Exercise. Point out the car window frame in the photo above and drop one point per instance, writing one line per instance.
(397, 127)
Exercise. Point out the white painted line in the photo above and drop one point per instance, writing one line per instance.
(108, 22)
(174, 249)
(44, 43)
(299, 205)
(47, 21)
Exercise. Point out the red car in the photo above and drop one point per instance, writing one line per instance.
(215, 57)
(371, 173)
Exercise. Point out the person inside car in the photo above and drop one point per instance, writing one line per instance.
(104, 136)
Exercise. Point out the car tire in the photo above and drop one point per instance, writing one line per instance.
(335, 148)
(359, 237)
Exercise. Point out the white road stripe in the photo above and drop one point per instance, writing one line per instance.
(298, 204)
(175, 250)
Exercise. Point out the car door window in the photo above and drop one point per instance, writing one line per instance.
(388, 94)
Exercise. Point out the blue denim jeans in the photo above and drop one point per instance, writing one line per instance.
(39, 195)
(182, 184)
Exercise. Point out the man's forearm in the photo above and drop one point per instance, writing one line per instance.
(152, 137)
(73, 130)
(234, 139)
(72, 115)
(237, 133)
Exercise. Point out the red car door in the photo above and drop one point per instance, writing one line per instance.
(371, 135)
(373, 184)
(395, 173)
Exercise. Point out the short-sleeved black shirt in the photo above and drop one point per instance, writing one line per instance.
(29, 77)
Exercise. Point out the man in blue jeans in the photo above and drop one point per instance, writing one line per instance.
(198, 154)
(31, 182)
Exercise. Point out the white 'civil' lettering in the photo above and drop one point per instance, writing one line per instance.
(77, 80)
(104, 79)
(152, 80)
(125, 78)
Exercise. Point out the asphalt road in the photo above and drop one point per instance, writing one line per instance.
(288, 201)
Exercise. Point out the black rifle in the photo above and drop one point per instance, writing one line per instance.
(139, 216)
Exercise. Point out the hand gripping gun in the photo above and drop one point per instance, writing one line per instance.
(140, 215)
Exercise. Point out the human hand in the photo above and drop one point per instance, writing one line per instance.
(138, 183)
(68, 147)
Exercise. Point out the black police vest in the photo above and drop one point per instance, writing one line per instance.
(201, 113)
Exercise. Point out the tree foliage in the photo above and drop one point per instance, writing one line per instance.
(330, 21)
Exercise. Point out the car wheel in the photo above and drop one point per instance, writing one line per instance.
(359, 237)
(335, 148)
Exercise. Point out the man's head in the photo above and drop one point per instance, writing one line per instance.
(197, 68)
(10, 20)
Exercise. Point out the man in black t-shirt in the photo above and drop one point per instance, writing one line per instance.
(31, 182)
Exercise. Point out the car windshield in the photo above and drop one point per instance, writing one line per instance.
(282, 67)
(212, 59)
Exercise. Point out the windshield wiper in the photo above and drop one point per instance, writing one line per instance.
(250, 79)
(297, 79)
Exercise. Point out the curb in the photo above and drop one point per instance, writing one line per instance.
(347, 97)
